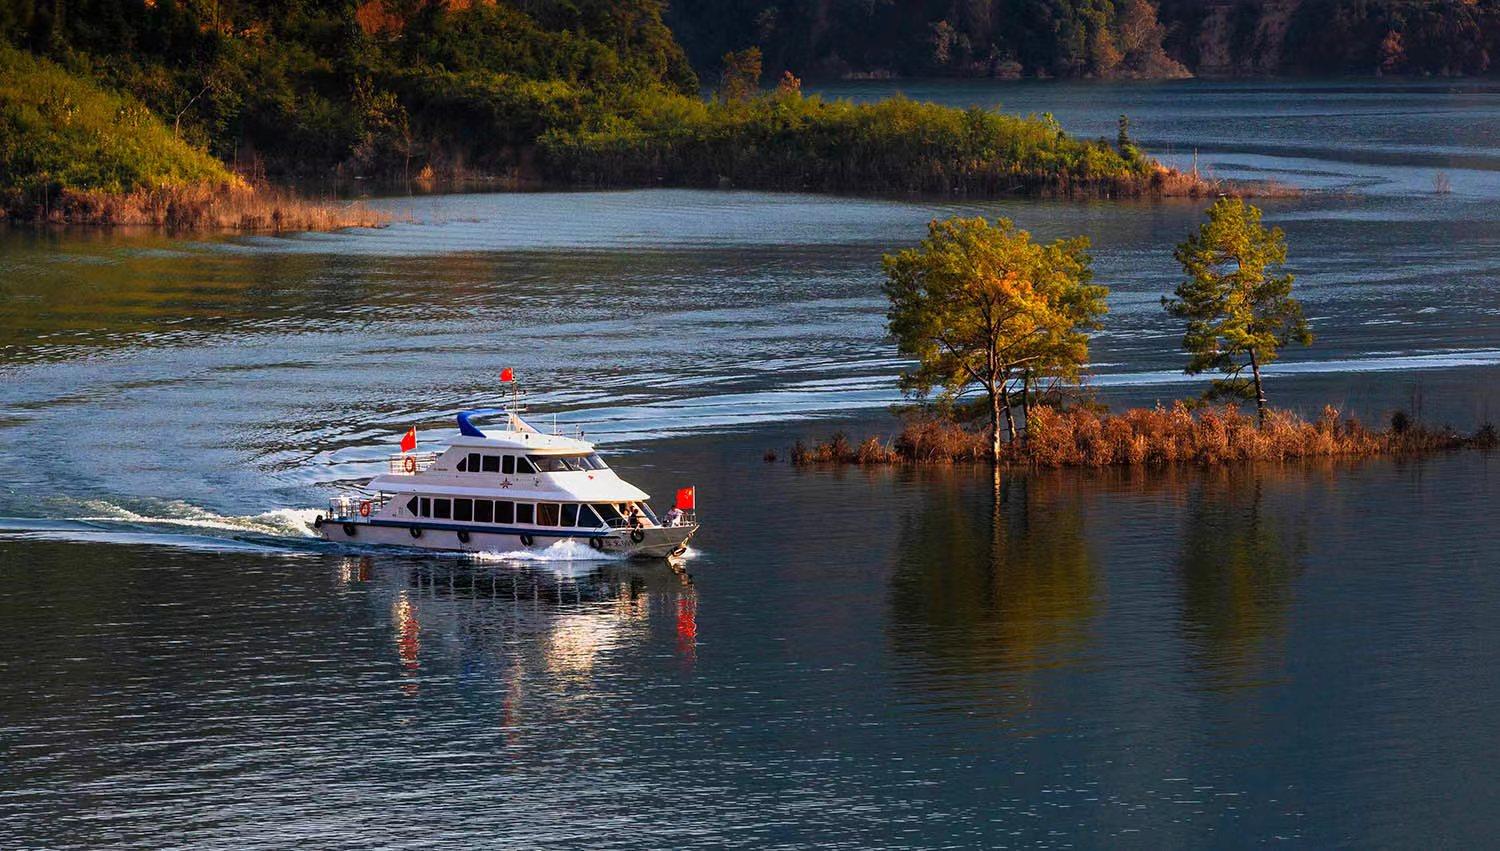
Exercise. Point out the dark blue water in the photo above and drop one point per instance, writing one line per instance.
(853, 658)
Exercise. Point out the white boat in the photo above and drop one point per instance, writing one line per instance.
(507, 489)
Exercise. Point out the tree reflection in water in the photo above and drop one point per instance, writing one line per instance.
(1237, 565)
(994, 579)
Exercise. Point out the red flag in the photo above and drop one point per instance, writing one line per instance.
(686, 497)
(409, 441)
(507, 375)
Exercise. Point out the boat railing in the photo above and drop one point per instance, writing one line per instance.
(353, 509)
(687, 518)
(410, 463)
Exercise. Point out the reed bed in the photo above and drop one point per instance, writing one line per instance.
(225, 206)
(1146, 436)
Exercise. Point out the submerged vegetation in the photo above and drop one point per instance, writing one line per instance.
(983, 310)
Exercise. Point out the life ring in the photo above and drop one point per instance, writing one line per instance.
(409, 465)
(596, 543)
(416, 531)
(463, 536)
(318, 522)
(349, 529)
(637, 535)
(364, 508)
(527, 540)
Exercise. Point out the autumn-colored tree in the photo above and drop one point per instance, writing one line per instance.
(976, 304)
(1239, 309)
(741, 77)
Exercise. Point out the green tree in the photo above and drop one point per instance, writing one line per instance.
(978, 304)
(1238, 305)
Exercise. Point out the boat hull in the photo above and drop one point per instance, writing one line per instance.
(655, 542)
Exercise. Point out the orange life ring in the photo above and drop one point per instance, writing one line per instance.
(364, 508)
(409, 465)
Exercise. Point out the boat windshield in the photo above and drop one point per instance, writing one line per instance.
(564, 463)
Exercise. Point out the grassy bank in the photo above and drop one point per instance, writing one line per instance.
(1145, 436)
(73, 152)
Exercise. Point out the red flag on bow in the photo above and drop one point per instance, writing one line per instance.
(409, 440)
(686, 497)
(507, 375)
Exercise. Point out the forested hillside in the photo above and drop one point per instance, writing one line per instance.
(301, 86)
(530, 93)
(986, 38)
(1096, 38)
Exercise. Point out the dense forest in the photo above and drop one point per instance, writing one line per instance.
(1096, 38)
(123, 96)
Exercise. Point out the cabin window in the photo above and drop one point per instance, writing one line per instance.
(505, 511)
(523, 465)
(546, 463)
(492, 463)
(588, 518)
(473, 462)
(411, 507)
(546, 514)
(570, 515)
(484, 511)
(525, 512)
(442, 509)
(426, 507)
(609, 512)
(463, 509)
(507, 464)
(596, 463)
(463, 465)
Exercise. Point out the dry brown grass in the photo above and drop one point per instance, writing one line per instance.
(1146, 436)
(202, 207)
(1171, 183)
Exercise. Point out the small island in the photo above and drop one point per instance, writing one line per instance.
(994, 321)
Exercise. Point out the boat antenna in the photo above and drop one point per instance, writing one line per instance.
(515, 406)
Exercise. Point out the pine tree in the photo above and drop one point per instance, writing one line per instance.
(1239, 308)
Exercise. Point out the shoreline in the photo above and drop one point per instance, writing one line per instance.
(1140, 438)
(278, 208)
(200, 208)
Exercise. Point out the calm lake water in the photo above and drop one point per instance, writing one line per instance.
(1295, 653)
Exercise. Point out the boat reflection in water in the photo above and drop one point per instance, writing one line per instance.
(517, 620)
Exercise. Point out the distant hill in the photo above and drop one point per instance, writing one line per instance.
(1096, 38)
(979, 38)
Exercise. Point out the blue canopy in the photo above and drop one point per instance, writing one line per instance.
(469, 429)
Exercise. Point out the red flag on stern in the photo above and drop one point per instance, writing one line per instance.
(686, 498)
(409, 440)
(507, 375)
